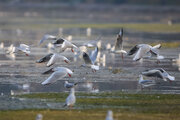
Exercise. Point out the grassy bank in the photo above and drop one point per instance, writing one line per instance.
(125, 106)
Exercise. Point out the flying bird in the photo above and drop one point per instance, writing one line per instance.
(90, 60)
(55, 57)
(64, 44)
(159, 73)
(58, 73)
(143, 49)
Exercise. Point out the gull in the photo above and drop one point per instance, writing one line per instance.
(71, 99)
(143, 49)
(58, 73)
(45, 58)
(39, 117)
(22, 48)
(64, 44)
(90, 60)
(69, 85)
(47, 37)
(109, 115)
(56, 57)
(159, 73)
(145, 83)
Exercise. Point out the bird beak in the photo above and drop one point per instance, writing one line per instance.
(69, 75)
(72, 50)
(66, 61)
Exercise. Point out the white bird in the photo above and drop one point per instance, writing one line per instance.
(11, 49)
(64, 44)
(145, 83)
(71, 99)
(24, 48)
(90, 60)
(39, 117)
(159, 73)
(58, 73)
(55, 57)
(143, 49)
(69, 85)
(47, 37)
(109, 115)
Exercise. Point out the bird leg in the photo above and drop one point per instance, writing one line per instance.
(72, 50)
(122, 56)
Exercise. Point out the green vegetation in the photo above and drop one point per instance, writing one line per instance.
(91, 106)
(135, 26)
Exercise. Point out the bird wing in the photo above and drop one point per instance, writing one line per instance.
(93, 55)
(70, 100)
(52, 60)
(54, 77)
(47, 37)
(142, 51)
(59, 41)
(153, 73)
(45, 58)
(118, 43)
(133, 50)
(86, 58)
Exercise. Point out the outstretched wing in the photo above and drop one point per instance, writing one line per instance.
(45, 58)
(47, 37)
(59, 41)
(153, 73)
(86, 58)
(94, 54)
(133, 50)
(54, 77)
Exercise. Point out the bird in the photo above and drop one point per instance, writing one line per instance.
(39, 117)
(118, 48)
(56, 57)
(22, 48)
(109, 115)
(69, 85)
(90, 60)
(47, 37)
(159, 73)
(143, 49)
(71, 99)
(145, 83)
(58, 73)
(64, 44)
(45, 58)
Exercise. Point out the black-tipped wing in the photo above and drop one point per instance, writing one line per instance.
(86, 58)
(48, 71)
(45, 58)
(133, 50)
(59, 41)
(153, 73)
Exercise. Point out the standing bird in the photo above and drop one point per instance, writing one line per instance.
(109, 115)
(58, 73)
(69, 85)
(159, 73)
(47, 37)
(143, 49)
(64, 44)
(56, 57)
(90, 60)
(71, 99)
(145, 83)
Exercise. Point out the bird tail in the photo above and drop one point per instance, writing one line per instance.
(96, 67)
